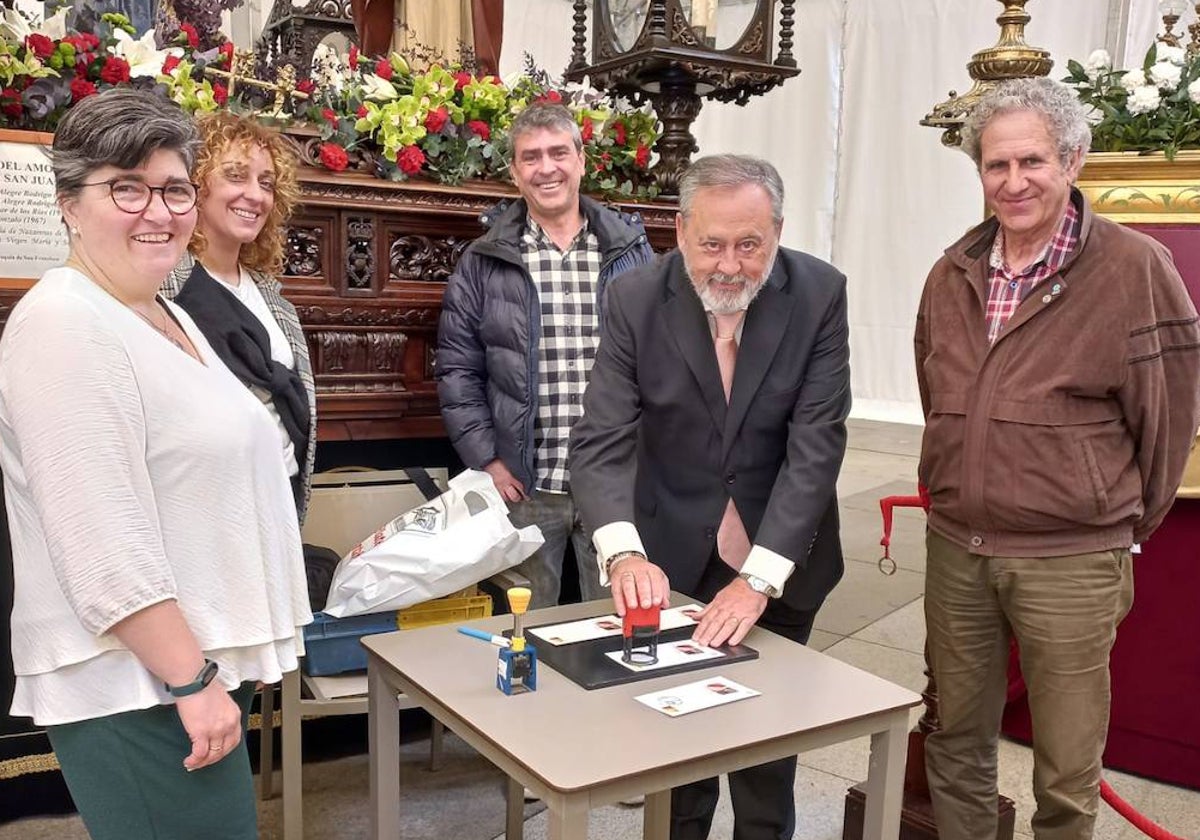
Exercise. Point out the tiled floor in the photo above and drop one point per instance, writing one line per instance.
(877, 623)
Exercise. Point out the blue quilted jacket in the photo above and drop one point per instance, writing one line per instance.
(490, 325)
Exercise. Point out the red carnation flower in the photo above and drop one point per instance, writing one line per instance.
(78, 42)
(436, 119)
(410, 160)
(353, 57)
(169, 64)
(330, 116)
(642, 157)
(585, 132)
(481, 128)
(619, 132)
(89, 40)
(383, 69)
(10, 103)
(81, 89)
(193, 37)
(115, 70)
(226, 51)
(361, 112)
(334, 157)
(220, 94)
(461, 80)
(552, 96)
(306, 86)
(42, 46)
(82, 68)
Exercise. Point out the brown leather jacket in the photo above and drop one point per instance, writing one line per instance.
(1069, 434)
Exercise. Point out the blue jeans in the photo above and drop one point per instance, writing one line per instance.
(558, 518)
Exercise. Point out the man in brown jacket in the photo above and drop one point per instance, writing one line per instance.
(1058, 357)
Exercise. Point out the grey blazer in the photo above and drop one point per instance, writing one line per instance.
(289, 322)
(657, 445)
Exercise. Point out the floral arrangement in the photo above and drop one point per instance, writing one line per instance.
(1152, 108)
(375, 115)
(47, 67)
(381, 115)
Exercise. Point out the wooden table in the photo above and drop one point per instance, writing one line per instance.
(579, 749)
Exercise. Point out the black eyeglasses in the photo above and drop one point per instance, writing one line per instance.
(132, 196)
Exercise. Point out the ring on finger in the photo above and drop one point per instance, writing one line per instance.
(215, 748)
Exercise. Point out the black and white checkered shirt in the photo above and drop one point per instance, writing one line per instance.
(566, 284)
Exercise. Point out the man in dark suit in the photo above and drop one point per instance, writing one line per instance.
(712, 436)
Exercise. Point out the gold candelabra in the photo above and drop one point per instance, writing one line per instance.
(1010, 58)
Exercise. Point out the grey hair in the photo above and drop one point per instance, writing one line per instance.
(731, 171)
(549, 115)
(1065, 116)
(120, 127)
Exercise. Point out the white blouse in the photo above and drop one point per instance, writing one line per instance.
(133, 474)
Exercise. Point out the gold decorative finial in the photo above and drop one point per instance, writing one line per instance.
(1010, 58)
(241, 71)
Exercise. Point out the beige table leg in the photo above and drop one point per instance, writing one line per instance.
(570, 820)
(656, 816)
(383, 738)
(292, 760)
(885, 780)
(514, 810)
(266, 743)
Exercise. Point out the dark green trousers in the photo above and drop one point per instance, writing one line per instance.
(125, 773)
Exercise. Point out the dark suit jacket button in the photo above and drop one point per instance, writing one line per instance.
(729, 479)
(710, 533)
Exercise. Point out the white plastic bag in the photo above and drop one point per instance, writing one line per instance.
(446, 544)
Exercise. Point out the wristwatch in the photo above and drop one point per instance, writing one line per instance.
(759, 585)
(207, 674)
(620, 555)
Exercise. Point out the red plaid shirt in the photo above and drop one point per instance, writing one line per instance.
(1006, 290)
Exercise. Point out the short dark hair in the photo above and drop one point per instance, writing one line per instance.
(120, 127)
(549, 115)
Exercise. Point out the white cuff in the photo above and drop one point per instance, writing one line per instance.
(774, 568)
(614, 538)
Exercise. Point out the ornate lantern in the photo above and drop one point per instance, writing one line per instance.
(1011, 58)
(672, 53)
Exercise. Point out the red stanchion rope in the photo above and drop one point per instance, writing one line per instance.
(1138, 820)
(888, 566)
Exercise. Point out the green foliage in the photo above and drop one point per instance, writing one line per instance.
(1154, 108)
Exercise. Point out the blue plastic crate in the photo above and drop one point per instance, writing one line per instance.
(332, 646)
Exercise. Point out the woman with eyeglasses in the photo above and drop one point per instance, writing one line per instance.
(156, 554)
(248, 187)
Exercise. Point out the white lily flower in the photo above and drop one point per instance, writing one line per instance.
(1143, 100)
(15, 26)
(379, 89)
(55, 26)
(1166, 75)
(143, 55)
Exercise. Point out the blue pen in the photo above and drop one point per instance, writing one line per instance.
(498, 641)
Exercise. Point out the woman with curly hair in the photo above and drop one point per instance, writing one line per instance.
(248, 188)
